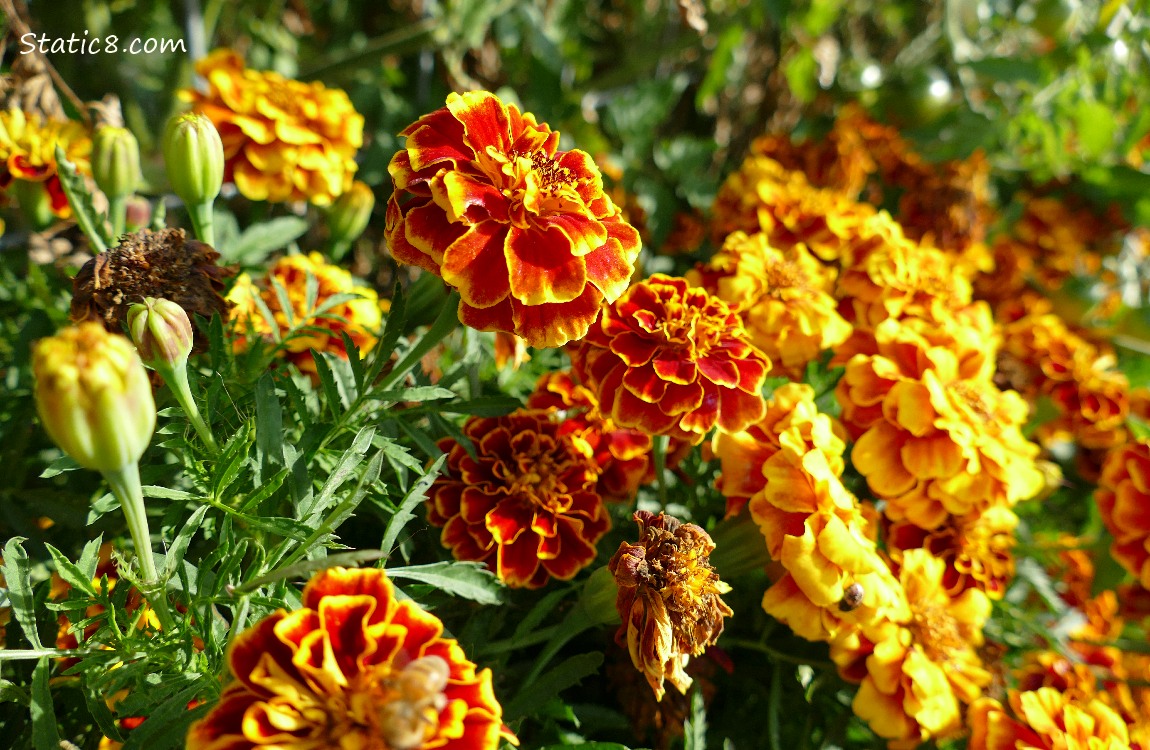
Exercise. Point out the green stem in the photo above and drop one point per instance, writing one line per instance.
(177, 380)
(444, 324)
(117, 213)
(202, 223)
(337, 249)
(126, 486)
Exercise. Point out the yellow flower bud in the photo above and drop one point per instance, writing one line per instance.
(162, 333)
(93, 396)
(116, 161)
(349, 214)
(194, 157)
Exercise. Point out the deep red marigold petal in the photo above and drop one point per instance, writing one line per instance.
(544, 326)
(542, 268)
(518, 563)
(484, 120)
(475, 264)
(435, 138)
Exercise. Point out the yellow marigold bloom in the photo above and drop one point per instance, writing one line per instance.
(763, 196)
(669, 598)
(28, 152)
(317, 328)
(1046, 719)
(922, 667)
(783, 296)
(977, 549)
(284, 140)
(354, 667)
(1123, 496)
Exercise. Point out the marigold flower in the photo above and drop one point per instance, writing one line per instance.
(922, 667)
(317, 328)
(783, 297)
(284, 140)
(623, 455)
(353, 667)
(673, 360)
(1046, 719)
(669, 598)
(1123, 496)
(839, 161)
(28, 152)
(526, 504)
(484, 199)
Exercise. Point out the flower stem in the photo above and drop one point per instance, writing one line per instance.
(117, 211)
(177, 380)
(202, 223)
(126, 486)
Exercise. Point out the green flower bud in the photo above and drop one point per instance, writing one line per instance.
(162, 333)
(93, 396)
(116, 161)
(194, 157)
(348, 215)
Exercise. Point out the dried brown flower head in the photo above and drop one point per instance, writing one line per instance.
(151, 264)
(668, 598)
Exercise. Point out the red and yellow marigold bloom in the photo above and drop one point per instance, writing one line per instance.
(526, 504)
(485, 199)
(317, 328)
(623, 455)
(28, 152)
(1046, 719)
(670, 359)
(783, 296)
(353, 667)
(1123, 496)
(284, 140)
(922, 667)
(669, 598)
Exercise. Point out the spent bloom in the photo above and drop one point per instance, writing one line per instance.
(526, 504)
(670, 359)
(93, 396)
(353, 667)
(485, 199)
(283, 140)
(669, 598)
(28, 153)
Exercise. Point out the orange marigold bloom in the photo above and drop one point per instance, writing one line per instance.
(623, 455)
(1123, 496)
(284, 140)
(669, 598)
(977, 549)
(1046, 719)
(923, 666)
(839, 161)
(783, 296)
(763, 196)
(525, 232)
(354, 667)
(669, 359)
(318, 327)
(28, 152)
(526, 504)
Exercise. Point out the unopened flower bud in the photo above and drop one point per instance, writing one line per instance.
(348, 215)
(194, 158)
(115, 161)
(93, 396)
(162, 332)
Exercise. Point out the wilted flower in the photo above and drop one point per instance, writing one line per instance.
(484, 198)
(783, 296)
(318, 327)
(151, 264)
(93, 396)
(1123, 496)
(669, 359)
(1046, 719)
(526, 504)
(668, 598)
(283, 140)
(28, 153)
(353, 667)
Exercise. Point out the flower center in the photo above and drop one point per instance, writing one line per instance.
(936, 630)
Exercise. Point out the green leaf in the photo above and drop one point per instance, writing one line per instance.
(259, 240)
(167, 725)
(695, 725)
(80, 199)
(392, 330)
(45, 736)
(335, 404)
(59, 466)
(71, 574)
(269, 426)
(483, 406)
(308, 567)
(1095, 127)
(414, 497)
(349, 462)
(801, 72)
(463, 579)
(179, 546)
(560, 677)
(17, 574)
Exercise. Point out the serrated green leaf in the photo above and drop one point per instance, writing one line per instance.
(260, 240)
(17, 574)
(414, 497)
(168, 723)
(463, 579)
(71, 574)
(80, 200)
(45, 735)
(179, 546)
(560, 677)
(695, 725)
(307, 567)
(483, 406)
(269, 427)
(59, 466)
(335, 404)
(345, 468)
